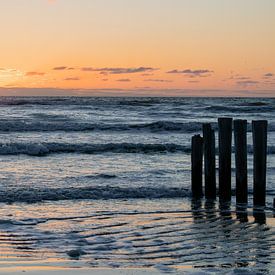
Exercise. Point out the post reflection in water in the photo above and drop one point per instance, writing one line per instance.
(232, 239)
(225, 210)
(241, 212)
(259, 215)
(210, 211)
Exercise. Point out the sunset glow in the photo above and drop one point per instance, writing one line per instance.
(84, 46)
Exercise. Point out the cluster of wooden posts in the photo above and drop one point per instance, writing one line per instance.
(204, 148)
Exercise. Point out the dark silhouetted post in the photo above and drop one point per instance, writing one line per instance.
(240, 142)
(196, 159)
(225, 143)
(259, 129)
(209, 161)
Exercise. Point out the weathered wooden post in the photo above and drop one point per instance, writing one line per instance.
(225, 143)
(240, 142)
(196, 159)
(259, 132)
(209, 161)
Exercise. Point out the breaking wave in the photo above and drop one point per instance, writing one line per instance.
(43, 149)
(47, 148)
(32, 195)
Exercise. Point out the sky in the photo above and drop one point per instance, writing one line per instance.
(137, 47)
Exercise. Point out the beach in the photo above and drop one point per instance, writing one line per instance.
(102, 186)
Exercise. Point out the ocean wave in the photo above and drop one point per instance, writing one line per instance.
(44, 149)
(62, 125)
(47, 148)
(85, 101)
(240, 109)
(33, 195)
(256, 103)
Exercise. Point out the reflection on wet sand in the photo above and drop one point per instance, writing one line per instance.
(259, 215)
(147, 234)
(241, 213)
(233, 238)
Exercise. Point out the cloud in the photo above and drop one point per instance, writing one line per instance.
(34, 74)
(124, 80)
(60, 68)
(158, 80)
(118, 70)
(247, 82)
(72, 78)
(193, 81)
(88, 69)
(147, 74)
(237, 77)
(192, 73)
(8, 71)
(268, 75)
(241, 78)
(143, 87)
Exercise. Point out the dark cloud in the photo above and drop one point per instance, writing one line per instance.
(60, 68)
(192, 73)
(193, 81)
(72, 78)
(34, 74)
(105, 79)
(158, 80)
(118, 70)
(268, 75)
(124, 80)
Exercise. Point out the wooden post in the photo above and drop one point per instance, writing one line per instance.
(209, 161)
(196, 159)
(225, 143)
(240, 142)
(259, 132)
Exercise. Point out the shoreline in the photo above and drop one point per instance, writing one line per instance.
(44, 270)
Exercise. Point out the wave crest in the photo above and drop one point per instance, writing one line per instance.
(43, 149)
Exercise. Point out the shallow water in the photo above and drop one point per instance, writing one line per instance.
(105, 182)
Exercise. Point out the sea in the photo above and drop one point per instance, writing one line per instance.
(104, 182)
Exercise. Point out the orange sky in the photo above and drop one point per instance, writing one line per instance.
(209, 45)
